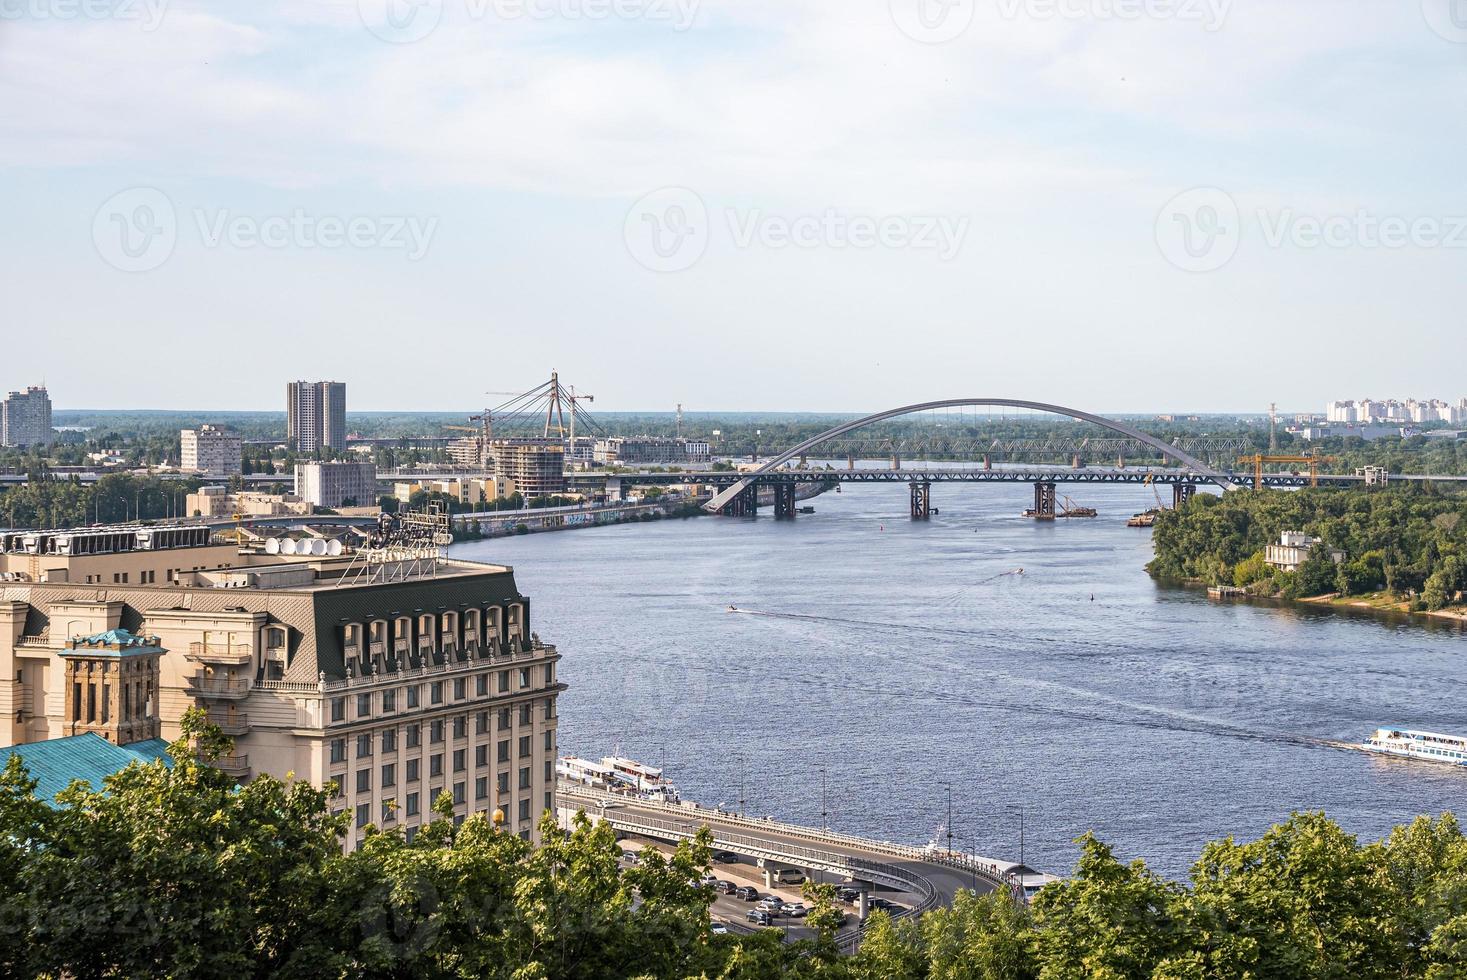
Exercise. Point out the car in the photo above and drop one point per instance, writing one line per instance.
(631, 856)
(789, 876)
(848, 895)
(759, 917)
(725, 857)
(795, 910)
(747, 893)
(771, 905)
(718, 929)
(873, 904)
(725, 887)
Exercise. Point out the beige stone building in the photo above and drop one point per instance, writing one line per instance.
(397, 679)
(217, 501)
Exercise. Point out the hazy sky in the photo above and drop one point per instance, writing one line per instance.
(1123, 205)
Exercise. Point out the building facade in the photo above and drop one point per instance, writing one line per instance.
(536, 467)
(651, 450)
(211, 450)
(315, 415)
(211, 502)
(1294, 549)
(336, 484)
(25, 418)
(419, 680)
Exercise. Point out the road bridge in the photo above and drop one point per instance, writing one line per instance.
(932, 878)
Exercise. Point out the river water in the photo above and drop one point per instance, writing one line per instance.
(899, 656)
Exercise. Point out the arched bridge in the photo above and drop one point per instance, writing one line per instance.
(740, 491)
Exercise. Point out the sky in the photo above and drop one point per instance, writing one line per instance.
(777, 205)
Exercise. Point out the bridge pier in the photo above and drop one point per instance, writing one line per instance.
(896, 461)
(1076, 463)
(987, 461)
(744, 504)
(784, 501)
(862, 908)
(1181, 493)
(1044, 501)
(850, 461)
(921, 500)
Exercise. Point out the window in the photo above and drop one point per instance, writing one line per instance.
(338, 745)
(504, 682)
(414, 736)
(550, 673)
(364, 746)
(503, 719)
(481, 723)
(389, 740)
(481, 756)
(524, 746)
(389, 811)
(460, 726)
(481, 685)
(481, 788)
(548, 804)
(549, 740)
(436, 692)
(389, 700)
(411, 833)
(458, 793)
(412, 696)
(458, 760)
(364, 814)
(412, 770)
(524, 809)
(435, 764)
(460, 688)
(524, 677)
(435, 731)
(525, 778)
(412, 804)
(364, 780)
(364, 705)
(501, 782)
(389, 775)
(504, 750)
(338, 709)
(525, 714)
(548, 775)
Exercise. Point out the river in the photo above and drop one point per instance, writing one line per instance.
(900, 656)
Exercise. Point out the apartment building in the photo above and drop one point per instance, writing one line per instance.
(315, 415)
(653, 450)
(210, 450)
(536, 467)
(423, 678)
(25, 418)
(211, 502)
(336, 484)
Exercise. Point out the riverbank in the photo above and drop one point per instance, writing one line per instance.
(1379, 604)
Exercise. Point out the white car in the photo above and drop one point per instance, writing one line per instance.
(718, 929)
(795, 910)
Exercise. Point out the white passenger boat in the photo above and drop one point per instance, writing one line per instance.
(618, 775)
(1408, 744)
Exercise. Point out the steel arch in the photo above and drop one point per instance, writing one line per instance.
(1171, 452)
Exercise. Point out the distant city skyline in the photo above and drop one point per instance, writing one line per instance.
(1204, 207)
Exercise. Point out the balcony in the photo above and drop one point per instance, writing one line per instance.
(230, 722)
(237, 766)
(219, 688)
(223, 654)
(377, 648)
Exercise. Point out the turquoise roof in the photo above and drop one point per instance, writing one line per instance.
(53, 764)
(126, 644)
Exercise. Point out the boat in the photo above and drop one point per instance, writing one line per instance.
(1144, 519)
(1405, 743)
(614, 774)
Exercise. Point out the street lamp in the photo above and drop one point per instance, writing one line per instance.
(824, 810)
(949, 788)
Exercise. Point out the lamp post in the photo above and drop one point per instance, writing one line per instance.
(949, 788)
(824, 809)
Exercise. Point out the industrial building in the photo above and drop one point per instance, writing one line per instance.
(395, 679)
(210, 450)
(336, 484)
(25, 418)
(315, 415)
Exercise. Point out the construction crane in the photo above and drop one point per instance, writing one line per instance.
(1258, 459)
(484, 430)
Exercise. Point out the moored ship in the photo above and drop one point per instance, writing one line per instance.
(1405, 743)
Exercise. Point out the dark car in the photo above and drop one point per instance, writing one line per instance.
(848, 895)
(759, 917)
(880, 903)
(725, 857)
(748, 893)
(725, 887)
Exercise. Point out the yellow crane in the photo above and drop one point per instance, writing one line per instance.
(1257, 461)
